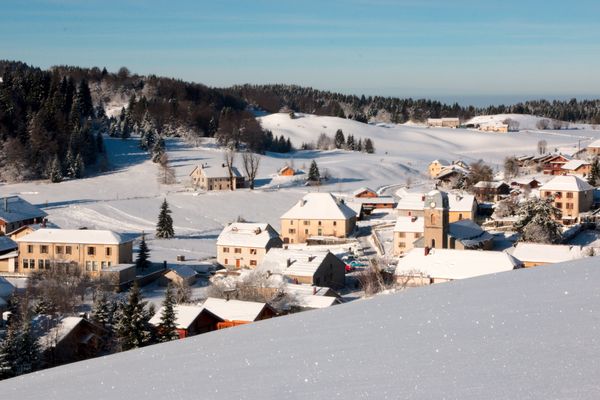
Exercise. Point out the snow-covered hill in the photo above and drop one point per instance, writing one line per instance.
(525, 334)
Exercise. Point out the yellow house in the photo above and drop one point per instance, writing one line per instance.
(317, 214)
(406, 231)
(572, 196)
(436, 166)
(593, 149)
(244, 245)
(91, 250)
(461, 206)
(446, 122)
(216, 177)
(8, 254)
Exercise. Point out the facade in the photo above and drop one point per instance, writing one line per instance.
(365, 192)
(410, 205)
(490, 191)
(317, 214)
(436, 166)
(91, 250)
(216, 178)
(554, 165)
(572, 196)
(448, 122)
(436, 220)
(593, 149)
(244, 245)
(461, 206)
(15, 212)
(406, 231)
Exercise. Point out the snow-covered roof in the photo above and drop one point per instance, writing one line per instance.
(14, 209)
(319, 206)
(567, 183)
(234, 310)
(524, 181)
(218, 171)
(246, 234)
(316, 301)
(573, 165)
(363, 189)
(78, 236)
(489, 184)
(409, 224)
(451, 170)
(184, 271)
(7, 244)
(411, 201)
(468, 232)
(373, 200)
(454, 264)
(6, 288)
(300, 289)
(594, 144)
(547, 253)
(461, 201)
(56, 334)
(184, 315)
(295, 262)
(441, 161)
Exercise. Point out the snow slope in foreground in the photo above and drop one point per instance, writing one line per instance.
(525, 334)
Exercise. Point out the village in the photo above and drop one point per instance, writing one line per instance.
(460, 220)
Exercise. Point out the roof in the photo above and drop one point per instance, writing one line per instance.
(316, 301)
(409, 224)
(284, 168)
(184, 271)
(319, 206)
(524, 181)
(547, 253)
(308, 290)
(56, 334)
(293, 262)
(245, 234)
(218, 171)
(461, 201)
(489, 184)
(468, 232)
(14, 209)
(363, 189)
(454, 264)
(573, 165)
(6, 288)
(78, 236)
(234, 310)
(373, 200)
(568, 183)
(441, 162)
(452, 169)
(411, 201)
(595, 143)
(7, 244)
(184, 315)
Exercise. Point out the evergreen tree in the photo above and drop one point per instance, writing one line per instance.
(158, 150)
(55, 171)
(142, 261)
(313, 173)
(339, 139)
(594, 176)
(168, 327)
(537, 221)
(69, 164)
(350, 142)
(99, 142)
(102, 310)
(359, 145)
(164, 227)
(19, 351)
(132, 327)
(369, 148)
(78, 167)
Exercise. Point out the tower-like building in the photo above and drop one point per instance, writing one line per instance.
(435, 232)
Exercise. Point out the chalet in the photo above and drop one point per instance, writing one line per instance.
(593, 149)
(424, 266)
(190, 320)
(450, 175)
(8, 254)
(237, 312)
(244, 245)
(486, 191)
(286, 171)
(16, 212)
(525, 184)
(311, 267)
(534, 254)
(306, 297)
(524, 161)
(446, 122)
(572, 196)
(181, 275)
(27, 229)
(371, 203)
(436, 166)
(577, 167)
(217, 177)
(91, 250)
(364, 192)
(554, 164)
(317, 214)
(72, 339)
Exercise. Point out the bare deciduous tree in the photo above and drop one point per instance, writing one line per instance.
(166, 173)
(542, 145)
(229, 158)
(251, 162)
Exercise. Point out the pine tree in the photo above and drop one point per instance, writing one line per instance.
(313, 173)
(339, 139)
(132, 327)
(78, 167)
(164, 227)
(102, 310)
(359, 145)
(369, 148)
(537, 221)
(158, 150)
(142, 261)
(350, 142)
(55, 171)
(69, 163)
(99, 142)
(594, 176)
(168, 318)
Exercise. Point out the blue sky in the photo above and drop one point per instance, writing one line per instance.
(446, 49)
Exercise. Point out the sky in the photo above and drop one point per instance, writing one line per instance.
(471, 51)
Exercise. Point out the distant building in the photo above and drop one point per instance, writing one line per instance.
(571, 194)
(593, 149)
(8, 255)
(443, 122)
(487, 191)
(244, 245)
(181, 275)
(436, 166)
(534, 254)
(406, 231)
(73, 339)
(448, 176)
(553, 165)
(16, 212)
(237, 312)
(577, 167)
(190, 320)
(286, 171)
(498, 128)
(217, 178)
(370, 200)
(525, 183)
(461, 205)
(317, 214)
(365, 192)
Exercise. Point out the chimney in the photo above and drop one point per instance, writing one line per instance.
(314, 290)
(413, 219)
(310, 258)
(288, 262)
(426, 250)
(223, 165)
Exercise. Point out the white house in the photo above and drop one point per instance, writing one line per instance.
(244, 245)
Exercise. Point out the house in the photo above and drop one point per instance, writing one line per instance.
(448, 176)
(497, 127)
(525, 184)
(461, 206)
(286, 171)
(436, 166)
(424, 266)
(190, 320)
(182, 275)
(317, 214)
(306, 297)
(371, 203)
(572, 196)
(364, 192)
(91, 250)
(554, 164)
(27, 229)
(406, 231)
(244, 245)
(534, 254)
(8, 254)
(72, 339)
(120, 275)
(577, 167)
(446, 122)
(237, 312)
(311, 267)
(217, 177)
(410, 204)
(15, 212)
(593, 149)
(486, 191)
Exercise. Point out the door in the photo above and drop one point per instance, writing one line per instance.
(237, 263)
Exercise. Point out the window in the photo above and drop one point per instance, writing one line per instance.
(91, 251)
(88, 265)
(558, 205)
(225, 262)
(569, 206)
(460, 217)
(306, 222)
(94, 266)
(25, 263)
(306, 231)
(418, 235)
(108, 252)
(30, 248)
(225, 249)
(237, 250)
(401, 244)
(253, 263)
(59, 249)
(401, 234)
(68, 250)
(569, 195)
(319, 223)
(253, 251)
(334, 223)
(103, 265)
(46, 264)
(292, 231)
(432, 219)
(43, 249)
(40, 264)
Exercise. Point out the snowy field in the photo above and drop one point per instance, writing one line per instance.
(127, 199)
(525, 334)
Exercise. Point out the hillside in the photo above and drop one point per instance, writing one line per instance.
(526, 334)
